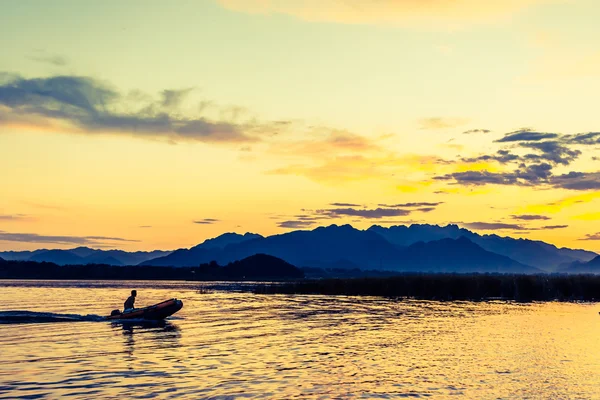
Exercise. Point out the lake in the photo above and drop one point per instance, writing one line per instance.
(226, 343)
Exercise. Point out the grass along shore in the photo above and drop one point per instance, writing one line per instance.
(449, 287)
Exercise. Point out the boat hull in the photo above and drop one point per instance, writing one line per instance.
(155, 312)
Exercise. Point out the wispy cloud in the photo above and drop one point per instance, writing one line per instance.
(295, 224)
(53, 59)
(13, 217)
(371, 213)
(555, 226)
(206, 221)
(530, 217)
(493, 226)
(500, 226)
(344, 205)
(528, 135)
(441, 122)
(405, 205)
(55, 239)
(432, 14)
(471, 131)
(591, 236)
(86, 105)
(588, 138)
(364, 213)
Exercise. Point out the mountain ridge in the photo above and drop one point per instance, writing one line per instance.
(342, 247)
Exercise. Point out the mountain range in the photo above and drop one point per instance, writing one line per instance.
(84, 255)
(581, 267)
(418, 248)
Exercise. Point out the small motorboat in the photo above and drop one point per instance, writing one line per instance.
(156, 312)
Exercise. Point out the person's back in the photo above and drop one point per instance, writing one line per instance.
(130, 302)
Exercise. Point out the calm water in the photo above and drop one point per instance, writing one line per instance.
(235, 345)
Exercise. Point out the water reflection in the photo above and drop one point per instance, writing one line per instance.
(231, 345)
(151, 334)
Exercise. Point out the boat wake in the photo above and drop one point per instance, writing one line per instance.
(32, 317)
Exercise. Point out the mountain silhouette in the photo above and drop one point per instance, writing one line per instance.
(83, 255)
(457, 255)
(402, 235)
(345, 247)
(418, 247)
(207, 251)
(578, 267)
(226, 239)
(262, 266)
(529, 252)
(60, 257)
(323, 246)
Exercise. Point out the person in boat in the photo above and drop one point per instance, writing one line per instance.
(130, 302)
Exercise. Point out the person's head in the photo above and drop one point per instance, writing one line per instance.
(134, 293)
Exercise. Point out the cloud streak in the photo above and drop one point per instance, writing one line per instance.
(206, 221)
(295, 224)
(13, 217)
(55, 239)
(86, 105)
(530, 217)
(493, 226)
(53, 59)
(404, 205)
(441, 123)
(591, 236)
(526, 135)
(433, 14)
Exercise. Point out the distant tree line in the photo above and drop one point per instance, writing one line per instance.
(259, 266)
(443, 287)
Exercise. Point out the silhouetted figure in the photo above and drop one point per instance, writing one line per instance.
(130, 302)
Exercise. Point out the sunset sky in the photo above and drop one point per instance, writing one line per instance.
(155, 124)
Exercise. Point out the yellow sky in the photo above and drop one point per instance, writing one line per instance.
(151, 125)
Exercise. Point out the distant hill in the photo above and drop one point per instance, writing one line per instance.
(344, 247)
(207, 251)
(60, 257)
(403, 236)
(83, 255)
(458, 255)
(262, 266)
(578, 267)
(257, 267)
(19, 255)
(395, 248)
(323, 247)
(530, 252)
(220, 242)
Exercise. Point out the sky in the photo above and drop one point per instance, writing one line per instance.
(155, 125)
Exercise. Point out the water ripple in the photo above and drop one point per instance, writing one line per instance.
(230, 344)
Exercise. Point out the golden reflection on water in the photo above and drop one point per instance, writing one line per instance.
(229, 345)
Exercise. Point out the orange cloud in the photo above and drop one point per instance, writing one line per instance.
(321, 142)
(441, 123)
(438, 14)
(354, 167)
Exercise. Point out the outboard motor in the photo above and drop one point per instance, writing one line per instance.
(115, 312)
